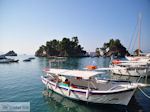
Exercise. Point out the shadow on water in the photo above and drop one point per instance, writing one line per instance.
(59, 103)
(133, 106)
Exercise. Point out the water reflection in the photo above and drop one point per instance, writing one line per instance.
(59, 103)
(80, 63)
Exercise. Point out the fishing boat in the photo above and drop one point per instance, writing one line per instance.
(8, 60)
(83, 85)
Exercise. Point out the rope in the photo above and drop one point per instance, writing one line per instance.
(133, 36)
(135, 40)
(144, 93)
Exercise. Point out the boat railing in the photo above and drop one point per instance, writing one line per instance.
(63, 84)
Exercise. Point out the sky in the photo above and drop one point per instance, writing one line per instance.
(25, 25)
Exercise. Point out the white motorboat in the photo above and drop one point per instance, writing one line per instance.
(131, 68)
(4, 61)
(145, 58)
(84, 85)
(8, 60)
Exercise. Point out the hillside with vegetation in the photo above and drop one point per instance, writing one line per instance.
(65, 48)
(113, 47)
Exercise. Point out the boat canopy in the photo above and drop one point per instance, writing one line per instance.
(74, 73)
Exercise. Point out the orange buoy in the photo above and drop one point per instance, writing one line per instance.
(116, 62)
(91, 67)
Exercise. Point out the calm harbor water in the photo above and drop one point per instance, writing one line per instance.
(20, 82)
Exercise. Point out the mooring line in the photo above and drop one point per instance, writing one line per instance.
(144, 93)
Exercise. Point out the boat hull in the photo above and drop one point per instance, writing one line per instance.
(121, 98)
(133, 72)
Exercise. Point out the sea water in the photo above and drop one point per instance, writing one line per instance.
(21, 82)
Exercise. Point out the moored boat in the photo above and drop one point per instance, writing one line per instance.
(12, 60)
(31, 58)
(27, 60)
(83, 85)
(8, 60)
(144, 58)
(131, 68)
(2, 57)
(4, 61)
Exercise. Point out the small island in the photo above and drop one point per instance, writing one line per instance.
(65, 48)
(113, 47)
(11, 53)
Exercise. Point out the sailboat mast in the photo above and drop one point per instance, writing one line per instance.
(139, 34)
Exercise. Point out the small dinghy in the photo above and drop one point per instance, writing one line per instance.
(27, 60)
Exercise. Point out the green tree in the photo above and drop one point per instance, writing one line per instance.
(97, 52)
(41, 51)
(52, 47)
(66, 47)
(115, 47)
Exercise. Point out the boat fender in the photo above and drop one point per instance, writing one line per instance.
(87, 94)
(56, 85)
(69, 91)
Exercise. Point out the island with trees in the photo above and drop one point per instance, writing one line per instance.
(65, 48)
(113, 47)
